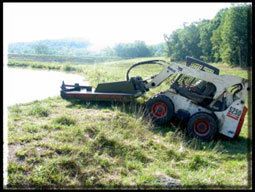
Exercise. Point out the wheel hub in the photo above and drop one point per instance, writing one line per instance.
(201, 127)
(159, 110)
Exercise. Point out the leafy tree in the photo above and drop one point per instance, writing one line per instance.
(235, 36)
(132, 50)
(175, 46)
(227, 38)
(183, 42)
(206, 29)
(216, 39)
(158, 49)
(41, 49)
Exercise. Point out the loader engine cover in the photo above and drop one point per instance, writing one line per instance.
(232, 120)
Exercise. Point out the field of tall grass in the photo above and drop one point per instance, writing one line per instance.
(55, 143)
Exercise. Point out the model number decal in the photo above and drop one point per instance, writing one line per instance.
(234, 113)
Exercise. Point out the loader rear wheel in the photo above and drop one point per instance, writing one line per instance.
(160, 109)
(202, 126)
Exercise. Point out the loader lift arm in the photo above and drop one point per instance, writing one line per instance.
(221, 82)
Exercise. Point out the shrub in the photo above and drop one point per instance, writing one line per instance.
(68, 68)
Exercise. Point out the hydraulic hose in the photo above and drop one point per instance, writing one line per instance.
(157, 62)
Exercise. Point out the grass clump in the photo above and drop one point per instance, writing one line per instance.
(198, 162)
(31, 128)
(16, 167)
(25, 138)
(39, 110)
(64, 120)
(16, 176)
(47, 175)
(25, 152)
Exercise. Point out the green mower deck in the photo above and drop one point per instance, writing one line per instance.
(116, 91)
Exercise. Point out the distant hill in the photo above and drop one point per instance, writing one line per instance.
(67, 47)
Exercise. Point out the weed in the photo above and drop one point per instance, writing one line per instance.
(64, 120)
(39, 110)
(197, 162)
(31, 128)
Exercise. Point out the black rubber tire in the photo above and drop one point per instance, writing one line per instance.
(159, 103)
(203, 126)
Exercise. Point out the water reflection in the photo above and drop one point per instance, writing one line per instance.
(26, 85)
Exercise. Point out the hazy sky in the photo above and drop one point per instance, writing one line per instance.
(103, 24)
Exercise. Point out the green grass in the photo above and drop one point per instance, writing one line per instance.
(68, 144)
(61, 58)
(42, 65)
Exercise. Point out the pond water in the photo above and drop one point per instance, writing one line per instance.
(26, 85)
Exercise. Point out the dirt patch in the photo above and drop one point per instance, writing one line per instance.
(12, 149)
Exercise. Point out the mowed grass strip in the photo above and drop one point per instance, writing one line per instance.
(58, 143)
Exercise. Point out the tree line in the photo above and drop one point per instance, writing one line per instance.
(135, 49)
(78, 48)
(226, 38)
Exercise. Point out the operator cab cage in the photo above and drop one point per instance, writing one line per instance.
(199, 91)
(198, 64)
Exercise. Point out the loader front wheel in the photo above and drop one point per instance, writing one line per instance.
(160, 109)
(202, 126)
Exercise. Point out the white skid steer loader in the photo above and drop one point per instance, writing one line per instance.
(207, 102)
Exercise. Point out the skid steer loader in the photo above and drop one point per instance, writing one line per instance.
(208, 103)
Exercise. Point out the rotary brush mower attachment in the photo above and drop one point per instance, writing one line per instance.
(104, 92)
(120, 91)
